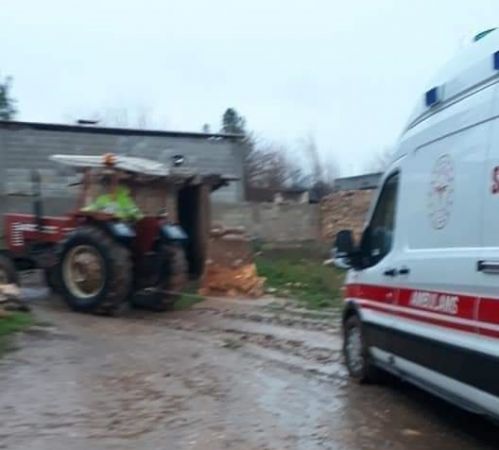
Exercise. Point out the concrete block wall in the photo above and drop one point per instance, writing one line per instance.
(275, 223)
(288, 223)
(270, 222)
(25, 146)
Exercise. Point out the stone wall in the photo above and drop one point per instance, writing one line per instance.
(270, 222)
(298, 223)
(344, 210)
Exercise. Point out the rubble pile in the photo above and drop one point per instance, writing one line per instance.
(230, 269)
(10, 299)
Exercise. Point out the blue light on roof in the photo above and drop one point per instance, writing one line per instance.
(496, 60)
(432, 97)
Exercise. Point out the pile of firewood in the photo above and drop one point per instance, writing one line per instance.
(230, 269)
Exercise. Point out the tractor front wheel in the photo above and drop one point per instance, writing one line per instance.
(95, 271)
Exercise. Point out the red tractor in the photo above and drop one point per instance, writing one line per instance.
(107, 252)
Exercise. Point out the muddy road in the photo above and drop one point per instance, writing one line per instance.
(222, 375)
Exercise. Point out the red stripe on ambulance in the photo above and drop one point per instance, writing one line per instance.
(450, 310)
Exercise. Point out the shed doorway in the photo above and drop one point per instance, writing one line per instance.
(192, 210)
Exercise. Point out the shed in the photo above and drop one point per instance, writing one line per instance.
(27, 145)
(200, 164)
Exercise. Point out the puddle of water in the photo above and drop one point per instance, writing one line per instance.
(30, 294)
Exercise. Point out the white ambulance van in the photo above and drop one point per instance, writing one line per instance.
(422, 291)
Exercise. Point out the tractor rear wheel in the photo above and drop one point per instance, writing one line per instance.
(169, 280)
(8, 273)
(176, 273)
(52, 279)
(95, 271)
(173, 276)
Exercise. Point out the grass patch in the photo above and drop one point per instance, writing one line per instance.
(189, 296)
(186, 301)
(13, 323)
(305, 278)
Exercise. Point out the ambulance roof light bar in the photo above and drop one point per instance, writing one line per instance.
(495, 58)
(433, 96)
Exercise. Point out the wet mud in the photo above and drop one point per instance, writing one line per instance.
(222, 375)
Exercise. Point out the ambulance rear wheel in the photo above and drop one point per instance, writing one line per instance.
(356, 353)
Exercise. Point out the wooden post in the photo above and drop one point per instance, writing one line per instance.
(204, 224)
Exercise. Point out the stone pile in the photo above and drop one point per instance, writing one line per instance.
(344, 210)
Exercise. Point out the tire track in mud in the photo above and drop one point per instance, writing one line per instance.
(299, 339)
(311, 346)
(294, 347)
(287, 320)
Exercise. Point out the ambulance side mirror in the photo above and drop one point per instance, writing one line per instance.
(343, 249)
(344, 243)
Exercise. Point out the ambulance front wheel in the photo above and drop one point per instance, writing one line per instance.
(356, 354)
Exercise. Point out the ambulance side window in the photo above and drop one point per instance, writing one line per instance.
(378, 240)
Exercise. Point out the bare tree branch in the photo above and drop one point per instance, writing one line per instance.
(380, 161)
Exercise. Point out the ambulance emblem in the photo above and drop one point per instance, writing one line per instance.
(441, 195)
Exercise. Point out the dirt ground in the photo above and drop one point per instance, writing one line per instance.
(222, 375)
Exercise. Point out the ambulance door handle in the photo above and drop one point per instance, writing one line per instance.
(404, 271)
(491, 267)
(390, 272)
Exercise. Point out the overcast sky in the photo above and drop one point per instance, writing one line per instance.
(347, 71)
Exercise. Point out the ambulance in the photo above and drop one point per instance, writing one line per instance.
(422, 290)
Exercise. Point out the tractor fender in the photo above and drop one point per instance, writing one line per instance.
(173, 233)
(121, 231)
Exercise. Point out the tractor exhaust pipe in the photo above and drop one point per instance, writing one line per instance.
(36, 183)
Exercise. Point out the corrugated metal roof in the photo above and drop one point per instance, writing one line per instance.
(358, 182)
(115, 131)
